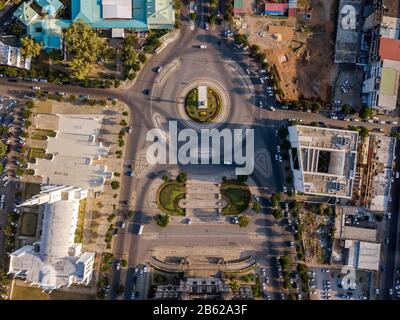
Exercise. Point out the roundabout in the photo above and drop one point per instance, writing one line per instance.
(208, 116)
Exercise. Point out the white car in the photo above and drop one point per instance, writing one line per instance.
(248, 71)
(271, 108)
(284, 189)
(159, 69)
(394, 122)
(203, 46)
(35, 88)
(260, 104)
(118, 266)
(276, 157)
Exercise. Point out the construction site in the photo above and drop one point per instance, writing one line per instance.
(299, 48)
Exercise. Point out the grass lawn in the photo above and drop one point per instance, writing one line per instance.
(32, 293)
(39, 153)
(203, 114)
(168, 196)
(81, 219)
(28, 224)
(40, 134)
(237, 194)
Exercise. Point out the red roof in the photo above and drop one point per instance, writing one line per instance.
(389, 49)
(276, 6)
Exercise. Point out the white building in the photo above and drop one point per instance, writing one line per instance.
(323, 160)
(55, 260)
(11, 56)
(75, 150)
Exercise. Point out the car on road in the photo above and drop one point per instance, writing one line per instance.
(146, 92)
(284, 189)
(159, 69)
(248, 71)
(36, 88)
(141, 272)
(260, 104)
(277, 157)
(271, 108)
(206, 26)
(129, 130)
(130, 173)
(188, 221)
(118, 266)
(280, 160)
(203, 46)
(123, 225)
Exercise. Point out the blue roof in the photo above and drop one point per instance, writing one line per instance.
(56, 4)
(90, 12)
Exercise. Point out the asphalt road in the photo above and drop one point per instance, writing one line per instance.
(195, 63)
(391, 261)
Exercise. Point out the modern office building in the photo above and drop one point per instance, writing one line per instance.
(323, 160)
(55, 261)
(44, 19)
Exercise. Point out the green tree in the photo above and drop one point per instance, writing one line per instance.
(85, 45)
(244, 221)
(162, 220)
(182, 177)
(366, 113)
(275, 199)
(364, 132)
(115, 185)
(277, 213)
(30, 48)
(256, 207)
(124, 263)
(3, 149)
(346, 109)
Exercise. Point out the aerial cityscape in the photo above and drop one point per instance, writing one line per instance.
(199, 150)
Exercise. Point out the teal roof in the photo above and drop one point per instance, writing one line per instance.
(55, 4)
(90, 12)
(25, 13)
(50, 34)
(147, 14)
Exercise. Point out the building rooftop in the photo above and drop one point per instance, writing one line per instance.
(389, 85)
(11, 56)
(323, 160)
(353, 232)
(117, 9)
(363, 255)
(389, 49)
(56, 260)
(346, 47)
(74, 149)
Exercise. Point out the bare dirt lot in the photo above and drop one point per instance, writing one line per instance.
(300, 49)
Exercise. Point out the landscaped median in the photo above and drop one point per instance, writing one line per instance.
(169, 194)
(237, 195)
(206, 113)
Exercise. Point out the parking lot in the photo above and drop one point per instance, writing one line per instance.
(325, 284)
